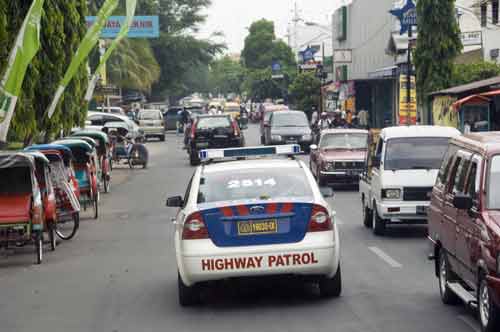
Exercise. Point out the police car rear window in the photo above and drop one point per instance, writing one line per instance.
(259, 184)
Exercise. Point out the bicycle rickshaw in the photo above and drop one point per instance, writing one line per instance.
(63, 180)
(84, 163)
(124, 148)
(21, 208)
(103, 153)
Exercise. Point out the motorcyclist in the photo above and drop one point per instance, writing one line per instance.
(324, 122)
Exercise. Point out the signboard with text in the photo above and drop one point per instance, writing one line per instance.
(141, 27)
(471, 38)
(407, 16)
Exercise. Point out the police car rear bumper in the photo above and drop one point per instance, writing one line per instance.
(317, 255)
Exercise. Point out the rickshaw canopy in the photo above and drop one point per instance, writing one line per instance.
(64, 151)
(99, 136)
(16, 159)
(39, 157)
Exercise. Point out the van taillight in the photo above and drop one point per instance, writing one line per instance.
(320, 220)
(194, 228)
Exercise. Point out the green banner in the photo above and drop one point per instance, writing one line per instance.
(131, 5)
(87, 44)
(25, 48)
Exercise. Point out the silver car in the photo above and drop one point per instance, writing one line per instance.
(151, 123)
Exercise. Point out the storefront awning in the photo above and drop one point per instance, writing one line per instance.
(474, 99)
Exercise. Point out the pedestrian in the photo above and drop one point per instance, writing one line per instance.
(324, 122)
(314, 117)
(363, 118)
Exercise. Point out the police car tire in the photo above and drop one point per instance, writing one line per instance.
(188, 296)
(331, 287)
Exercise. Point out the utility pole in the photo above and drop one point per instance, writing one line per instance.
(408, 77)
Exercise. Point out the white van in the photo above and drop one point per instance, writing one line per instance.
(397, 184)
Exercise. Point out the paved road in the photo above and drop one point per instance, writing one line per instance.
(119, 274)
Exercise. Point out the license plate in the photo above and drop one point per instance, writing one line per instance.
(220, 136)
(257, 227)
(421, 210)
(202, 145)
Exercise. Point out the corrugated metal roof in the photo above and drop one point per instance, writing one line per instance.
(467, 87)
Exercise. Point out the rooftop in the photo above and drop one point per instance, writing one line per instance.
(419, 131)
(495, 81)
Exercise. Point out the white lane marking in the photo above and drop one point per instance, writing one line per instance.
(470, 323)
(385, 257)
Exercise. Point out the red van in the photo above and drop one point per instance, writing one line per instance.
(464, 226)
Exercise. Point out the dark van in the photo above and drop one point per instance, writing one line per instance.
(464, 226)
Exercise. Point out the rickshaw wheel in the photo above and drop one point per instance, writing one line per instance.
(52, 236)
(39, 247)
(76, 225)
(95, 205)
(106, 184)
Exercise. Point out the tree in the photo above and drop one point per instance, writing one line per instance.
(471, 72)
(63, 26)
(259, 85)
(134, 66)
(262, 47)
(438, 45)
(305, 91)
(226, 76)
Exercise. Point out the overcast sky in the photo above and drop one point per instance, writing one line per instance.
(232, 17)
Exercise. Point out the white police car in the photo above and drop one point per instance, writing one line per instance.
(254, 218)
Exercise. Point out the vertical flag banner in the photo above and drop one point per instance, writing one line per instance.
(131, 5)
(87, 44)
(25, 48)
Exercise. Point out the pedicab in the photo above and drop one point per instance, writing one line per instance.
(103, 154)
(125, 150)
(21, 208)
(42, 172)
(85, 171)
(65, 188)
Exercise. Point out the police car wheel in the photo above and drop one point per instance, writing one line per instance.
(188, 296)
(331, 287)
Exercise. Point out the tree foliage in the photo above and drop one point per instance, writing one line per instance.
(305, 91)
(471, 72)
(262, 47)
(438, 45)
(226, 76)
(63, 27)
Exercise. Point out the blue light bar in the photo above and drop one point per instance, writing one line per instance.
(258, 151)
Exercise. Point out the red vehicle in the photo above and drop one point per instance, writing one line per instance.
(62, 179)
(339, 157)
(103, 147)
(464, 226)
(21, 206)
(42, 172)
(86, 167)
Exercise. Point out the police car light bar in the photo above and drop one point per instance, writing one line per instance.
(258, 151)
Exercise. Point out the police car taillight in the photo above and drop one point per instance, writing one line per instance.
(320, 220)
(194, 228)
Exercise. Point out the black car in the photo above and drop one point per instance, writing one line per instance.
(213, 132)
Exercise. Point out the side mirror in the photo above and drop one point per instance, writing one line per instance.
(462, 201)
(327, 192)
(376, 161)
(313, 147)
(175, 201)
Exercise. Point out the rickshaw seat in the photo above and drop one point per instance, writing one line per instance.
(15, 208)
(82, 178)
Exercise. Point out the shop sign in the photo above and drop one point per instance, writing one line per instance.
(471, 38)
(407, 108)
(407, 16)
(141, 27)
(342, 56)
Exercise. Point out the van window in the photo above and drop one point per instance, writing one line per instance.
(446, 164)
(461, 176)
(473, 182)
(493, 187)
(455, 171)
(415, 153)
